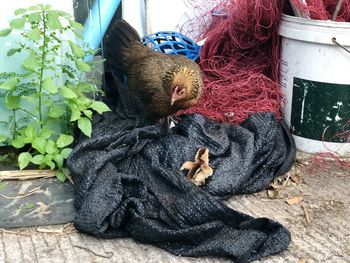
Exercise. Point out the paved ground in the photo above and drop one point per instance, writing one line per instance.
(318, 217)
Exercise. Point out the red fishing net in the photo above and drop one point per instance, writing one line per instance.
(240, 60)
(324, 9)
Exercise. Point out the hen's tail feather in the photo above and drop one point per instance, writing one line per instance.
(120, 36)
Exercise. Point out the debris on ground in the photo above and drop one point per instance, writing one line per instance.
(59, 230)
(294, 200)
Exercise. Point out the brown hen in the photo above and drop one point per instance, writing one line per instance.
(163, 83)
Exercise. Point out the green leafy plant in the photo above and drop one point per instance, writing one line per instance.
(29, 206)
(2, 185)
(52, 87)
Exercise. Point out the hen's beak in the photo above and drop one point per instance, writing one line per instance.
(174, 96)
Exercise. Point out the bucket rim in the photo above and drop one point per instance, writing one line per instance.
(314, 22)
(314, 31)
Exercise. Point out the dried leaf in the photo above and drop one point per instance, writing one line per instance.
(272, 193)
(14, 232)
(66, 229)
(307, 217)
(302, 161)
(199, 170)
(276, 184)
(36, 190)
(25, 174)
(294, 200)
(296, 178)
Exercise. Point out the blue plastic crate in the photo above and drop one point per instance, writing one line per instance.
(172, 43)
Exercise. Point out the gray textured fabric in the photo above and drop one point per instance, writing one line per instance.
(128, 183)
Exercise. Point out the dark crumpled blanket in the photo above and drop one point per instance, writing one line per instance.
(128, 183)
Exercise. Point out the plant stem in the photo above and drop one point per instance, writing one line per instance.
(43, 57)
(14, 125)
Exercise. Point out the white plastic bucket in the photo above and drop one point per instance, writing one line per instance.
(315, 81)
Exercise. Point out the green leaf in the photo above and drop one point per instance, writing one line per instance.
(48, 161)
(94, 52)
(22, 137)
(64, 140)
(46, 6)
(18, 23)
(51, 147)
(37, 159)
(100, 107)
(45, 133)
(75, 113)
(59, 160)
(83, 103)
(35, 34)
(82, 66)
(31, 62)
(30, 132)
(34, 17)
(36, 7)
(11, 101)
(13, 51)
(88, 113)
(2, 185)
(50, 86)
(24, 160)
(9, 84)
(53, 21)
(60, 176)
(65, 14)
(20, 11)
(56, 12)
(86, 87)
(56, 110)
(79, 28)
(69, 73)
(29, 206)
(5, 32)
(39, 144)
(77, 51)
(78, 35)
(68, 93)
(66, 152)
(3, 138)
(18, 142)
(84, 124)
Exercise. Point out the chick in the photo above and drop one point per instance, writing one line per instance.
(163, 83)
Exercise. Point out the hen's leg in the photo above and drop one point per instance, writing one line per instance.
(165, 123)
(175, 119)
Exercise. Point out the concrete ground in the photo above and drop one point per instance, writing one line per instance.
(312, 202)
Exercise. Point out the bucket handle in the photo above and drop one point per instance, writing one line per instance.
(340, 45)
